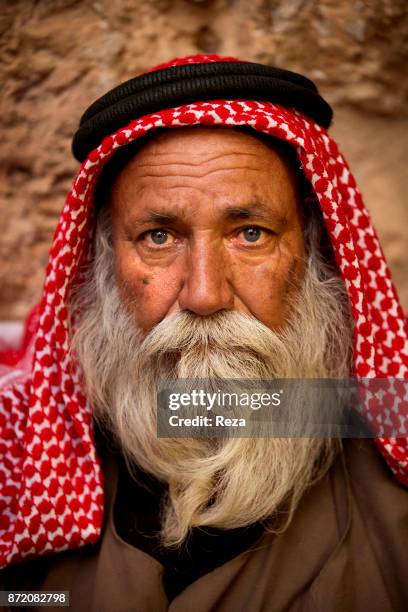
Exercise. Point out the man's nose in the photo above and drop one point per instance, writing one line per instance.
(206, 288)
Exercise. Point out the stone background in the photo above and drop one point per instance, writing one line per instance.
(56, 56)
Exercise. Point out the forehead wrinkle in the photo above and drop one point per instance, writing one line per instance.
(191, 162)
(195, 174)
(151, 168)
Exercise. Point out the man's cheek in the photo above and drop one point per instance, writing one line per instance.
(149, 295)
(131, 281)
(265, 289)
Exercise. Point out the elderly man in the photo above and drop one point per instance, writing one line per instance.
(202, 253)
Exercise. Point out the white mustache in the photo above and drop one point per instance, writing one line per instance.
(224, 330)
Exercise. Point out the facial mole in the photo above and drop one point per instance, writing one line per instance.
(145, 281)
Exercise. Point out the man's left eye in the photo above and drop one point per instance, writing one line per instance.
(252, 234)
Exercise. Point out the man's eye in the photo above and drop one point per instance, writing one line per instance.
(159, 236)
(252, 234)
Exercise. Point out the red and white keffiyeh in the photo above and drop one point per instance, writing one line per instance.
(51, 485)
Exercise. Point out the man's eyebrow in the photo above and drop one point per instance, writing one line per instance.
(258, 210)
(153, 216)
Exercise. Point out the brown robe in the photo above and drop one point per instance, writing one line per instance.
(345, 550)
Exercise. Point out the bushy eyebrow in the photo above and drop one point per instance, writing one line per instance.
(158, 217)
(257, 211)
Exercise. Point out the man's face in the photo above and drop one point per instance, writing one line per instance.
(207, 219)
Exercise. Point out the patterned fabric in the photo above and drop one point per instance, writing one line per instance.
(51, 495)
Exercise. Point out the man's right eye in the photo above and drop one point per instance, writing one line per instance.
(158, 237)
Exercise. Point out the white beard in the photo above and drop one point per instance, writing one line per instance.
(224, 483)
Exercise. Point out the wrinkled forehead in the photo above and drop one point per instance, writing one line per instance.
(201, 177)
(153, 152)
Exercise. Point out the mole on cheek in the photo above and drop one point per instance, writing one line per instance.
(145, 281)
